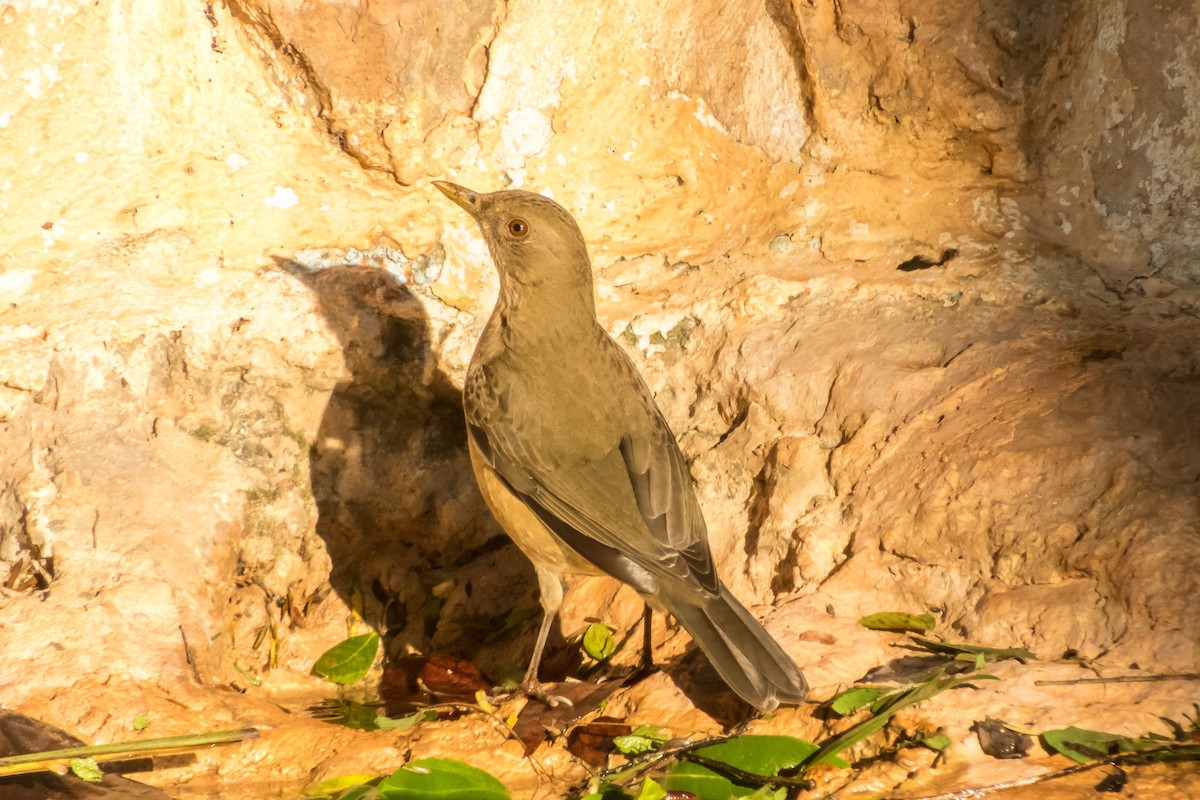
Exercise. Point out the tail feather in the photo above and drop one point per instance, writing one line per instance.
(746, 657)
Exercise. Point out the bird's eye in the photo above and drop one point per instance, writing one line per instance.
(518, 228)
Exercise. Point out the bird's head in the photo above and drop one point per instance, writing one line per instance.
(533, 240)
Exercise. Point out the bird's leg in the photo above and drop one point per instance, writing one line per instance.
(552, 595)
(531, 674)
(647, 639)
(647, 663)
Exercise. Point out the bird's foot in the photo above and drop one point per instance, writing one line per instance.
(531, 689)
(539, 691)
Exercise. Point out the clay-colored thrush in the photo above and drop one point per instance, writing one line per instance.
(576, 461)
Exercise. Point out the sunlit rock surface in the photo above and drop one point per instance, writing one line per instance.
(916, 287)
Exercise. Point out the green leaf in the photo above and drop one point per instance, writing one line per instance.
(1081, 745)
(350, 660)
(851, 700)
(762, 755)
(598, 641)
(441, 779)
(255, 682)
(385, 723)
(140, 722)
(974, 650)
(87, 769)
(898, 621)
(700, 781)
(651, 790)
(939, 742)
(360, 793)
(337, 786)
(884, 700)
(883, 710)
(1162, 753)
(642, 739)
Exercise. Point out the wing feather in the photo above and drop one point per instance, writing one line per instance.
(632, 512)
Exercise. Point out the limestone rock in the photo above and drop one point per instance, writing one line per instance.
(915, 285)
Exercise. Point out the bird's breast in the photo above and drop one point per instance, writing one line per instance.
(571, 407)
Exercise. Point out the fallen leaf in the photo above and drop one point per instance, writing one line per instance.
(592, 743)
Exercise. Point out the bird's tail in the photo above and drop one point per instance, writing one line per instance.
(747, 658)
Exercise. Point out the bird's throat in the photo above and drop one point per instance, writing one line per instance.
(530, 312)
(540, 334)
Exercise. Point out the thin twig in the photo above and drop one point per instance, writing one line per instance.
(970, 794)
(642, 764)
(190, 656)
(1186, 752)
(1183, 676)
(745, 778)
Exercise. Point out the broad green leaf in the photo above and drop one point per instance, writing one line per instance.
(851, 700)
(441, 779)
(598, 641)
(86, 769)
(706, 784)
(385, 723)
(700, 781)
(1081, 745)
(939, 742)
(140, 722)
(974, 650)
(642, 739)
(762, 755)
(651, 791)
(350, 660)
(360, 793)
(898, 621)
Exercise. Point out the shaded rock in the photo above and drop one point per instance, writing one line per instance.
(234, 317)
(999, 741)
(20, 735)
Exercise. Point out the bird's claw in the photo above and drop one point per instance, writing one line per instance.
(535, 691)
(538, 692)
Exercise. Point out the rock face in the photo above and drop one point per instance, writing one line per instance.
(915, 284)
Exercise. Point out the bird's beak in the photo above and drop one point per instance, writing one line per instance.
(464, 197)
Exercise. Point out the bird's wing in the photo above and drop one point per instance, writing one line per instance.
(629, 509)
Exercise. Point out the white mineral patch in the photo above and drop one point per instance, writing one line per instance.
(282, 198)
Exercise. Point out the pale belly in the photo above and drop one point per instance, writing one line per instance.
(536, 541)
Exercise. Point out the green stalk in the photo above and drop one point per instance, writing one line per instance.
(119, 751)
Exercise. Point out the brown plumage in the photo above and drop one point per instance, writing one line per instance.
(576, 461)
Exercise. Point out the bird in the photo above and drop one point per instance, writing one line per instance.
(577, 463)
